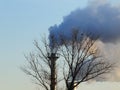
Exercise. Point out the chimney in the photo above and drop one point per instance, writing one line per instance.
(53, 57)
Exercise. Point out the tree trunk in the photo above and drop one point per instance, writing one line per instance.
(71, 87)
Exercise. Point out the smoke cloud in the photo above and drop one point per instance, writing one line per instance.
(99, 19)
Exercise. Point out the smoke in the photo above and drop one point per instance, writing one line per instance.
(112, 53)
(101, 19)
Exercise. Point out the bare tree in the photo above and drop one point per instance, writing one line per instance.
(42, 65)
(82, 59)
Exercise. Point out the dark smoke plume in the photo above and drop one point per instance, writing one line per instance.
(102, 20)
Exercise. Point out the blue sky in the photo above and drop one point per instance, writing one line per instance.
(22, 21)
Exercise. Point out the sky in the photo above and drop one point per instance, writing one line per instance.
(21, 22)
